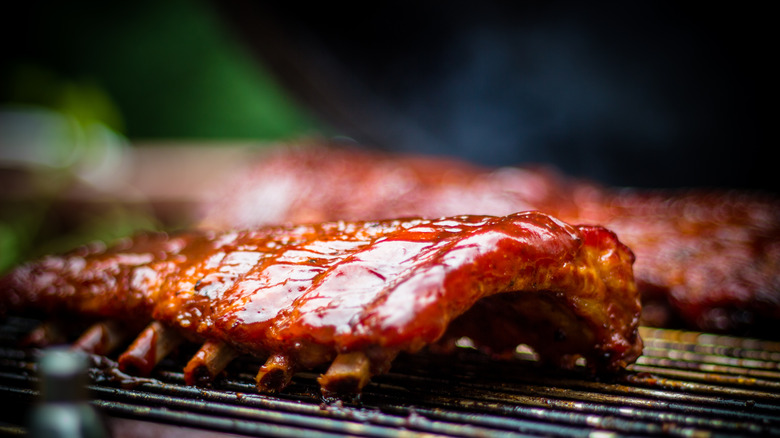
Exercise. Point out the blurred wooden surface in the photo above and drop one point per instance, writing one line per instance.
(171, 178)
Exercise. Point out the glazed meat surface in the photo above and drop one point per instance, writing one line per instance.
(707, 260)
(354, 293)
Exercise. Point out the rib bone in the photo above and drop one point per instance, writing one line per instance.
(348, 374)
(209, 361)
(149, 348)
(101, 338)
(46, 334)
(275, 374)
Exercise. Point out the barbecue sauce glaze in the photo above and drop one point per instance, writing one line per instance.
(316, 291)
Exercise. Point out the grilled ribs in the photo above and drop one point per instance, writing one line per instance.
(708, 260)
(352, 294)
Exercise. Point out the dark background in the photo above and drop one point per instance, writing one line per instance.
(650, 94)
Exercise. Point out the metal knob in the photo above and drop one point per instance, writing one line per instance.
(63, 410)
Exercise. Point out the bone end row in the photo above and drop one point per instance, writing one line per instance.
(349, 372)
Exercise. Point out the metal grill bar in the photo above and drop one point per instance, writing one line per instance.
(686, 384)
(599, 403)
(710, 363)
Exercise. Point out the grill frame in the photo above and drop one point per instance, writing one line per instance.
(686, 384)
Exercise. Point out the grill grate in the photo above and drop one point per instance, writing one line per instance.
(686, 384)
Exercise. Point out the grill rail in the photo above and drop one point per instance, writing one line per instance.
(686, 384)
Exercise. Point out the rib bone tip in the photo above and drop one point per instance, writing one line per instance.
(100, 338)
(348, 374)
(275, 374)
(154, 343)
(208, 362)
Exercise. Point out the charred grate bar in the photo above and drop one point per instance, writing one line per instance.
(686, 384)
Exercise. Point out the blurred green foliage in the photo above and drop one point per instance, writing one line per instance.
(172, 69)
(145, 70)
